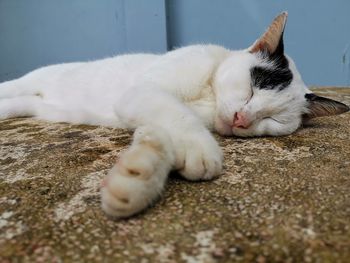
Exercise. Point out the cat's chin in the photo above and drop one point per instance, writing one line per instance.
(242, 133)
(222, 128)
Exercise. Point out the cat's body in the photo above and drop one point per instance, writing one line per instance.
(171, 100)
(91, 92)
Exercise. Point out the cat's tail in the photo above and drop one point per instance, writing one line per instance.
(138, 178)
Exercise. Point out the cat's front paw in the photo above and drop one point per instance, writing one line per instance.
(198, 156)
(138, 177)
(124, 191)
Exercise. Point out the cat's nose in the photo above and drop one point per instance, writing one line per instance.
(240, 120)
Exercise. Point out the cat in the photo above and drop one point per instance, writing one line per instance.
(172, 101)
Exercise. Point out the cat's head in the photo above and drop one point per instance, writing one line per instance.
(259, 90)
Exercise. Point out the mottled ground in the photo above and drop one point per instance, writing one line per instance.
(281, 199)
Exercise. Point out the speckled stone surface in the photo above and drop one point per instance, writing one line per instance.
(283, 199)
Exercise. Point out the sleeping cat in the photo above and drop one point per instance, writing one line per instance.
(172, 101)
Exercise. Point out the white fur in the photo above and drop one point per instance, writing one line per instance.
(139, 176)
(185, 92)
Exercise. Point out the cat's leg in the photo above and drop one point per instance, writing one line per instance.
(139, 176)
(24, 106)
(170, 137)
(55, 113)
(18, 87)
(35, 106)
(35, 82)
(198, 156)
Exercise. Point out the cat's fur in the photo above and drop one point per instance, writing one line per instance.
(172, 101)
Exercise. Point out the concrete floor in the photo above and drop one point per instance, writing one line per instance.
(284, 199)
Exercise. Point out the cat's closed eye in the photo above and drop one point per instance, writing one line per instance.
(251, 95)
(274, 119)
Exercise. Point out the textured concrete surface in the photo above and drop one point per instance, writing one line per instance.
(281, 199)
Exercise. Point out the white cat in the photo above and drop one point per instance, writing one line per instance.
(172, 101)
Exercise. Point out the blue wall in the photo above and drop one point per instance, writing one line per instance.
(41, 32)
(35, 33)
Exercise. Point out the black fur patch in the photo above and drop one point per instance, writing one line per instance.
(311, 96)
(278, 77)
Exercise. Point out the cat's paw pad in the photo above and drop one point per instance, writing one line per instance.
(138, 177)
(123, 193)
(200, 158)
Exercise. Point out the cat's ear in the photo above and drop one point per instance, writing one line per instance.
(271, 41)
(319, 106)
